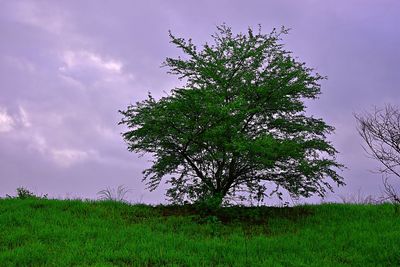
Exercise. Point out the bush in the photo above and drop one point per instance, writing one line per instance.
(24, 193)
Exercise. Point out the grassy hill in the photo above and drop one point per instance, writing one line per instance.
(36, 232)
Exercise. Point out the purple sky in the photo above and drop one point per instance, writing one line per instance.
(66, 67)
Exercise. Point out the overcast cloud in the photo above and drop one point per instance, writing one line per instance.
(67, 67)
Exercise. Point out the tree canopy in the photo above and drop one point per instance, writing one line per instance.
(238, 124)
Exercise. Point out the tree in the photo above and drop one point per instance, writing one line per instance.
(381, 133)
(238, 125)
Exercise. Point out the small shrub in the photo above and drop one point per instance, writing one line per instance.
(24, 193)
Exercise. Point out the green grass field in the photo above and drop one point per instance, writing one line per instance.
(40, 232)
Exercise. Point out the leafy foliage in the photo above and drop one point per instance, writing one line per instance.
(24, 193)
(237, 125)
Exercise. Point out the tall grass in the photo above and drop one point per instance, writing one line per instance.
(110, 194)
(41, 232)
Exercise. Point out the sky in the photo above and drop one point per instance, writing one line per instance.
(67, 67)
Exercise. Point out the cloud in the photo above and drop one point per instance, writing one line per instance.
(21, 64)
(52, 20)
(24, 117)
(6, 121)
(66, 67)
(67, 157)
(88, 69)
(87, 59)
(62, 157)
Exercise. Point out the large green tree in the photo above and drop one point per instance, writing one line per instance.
(238, 125)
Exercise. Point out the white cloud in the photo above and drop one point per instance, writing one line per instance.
(108, 65)
(24, 117)
(68, 157)
(20, 63)
(6, 121)
(87, 59)
(39, 143)
(28, 12)
(62, 157)
(107, 132)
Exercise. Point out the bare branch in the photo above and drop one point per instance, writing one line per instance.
(381, 133)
